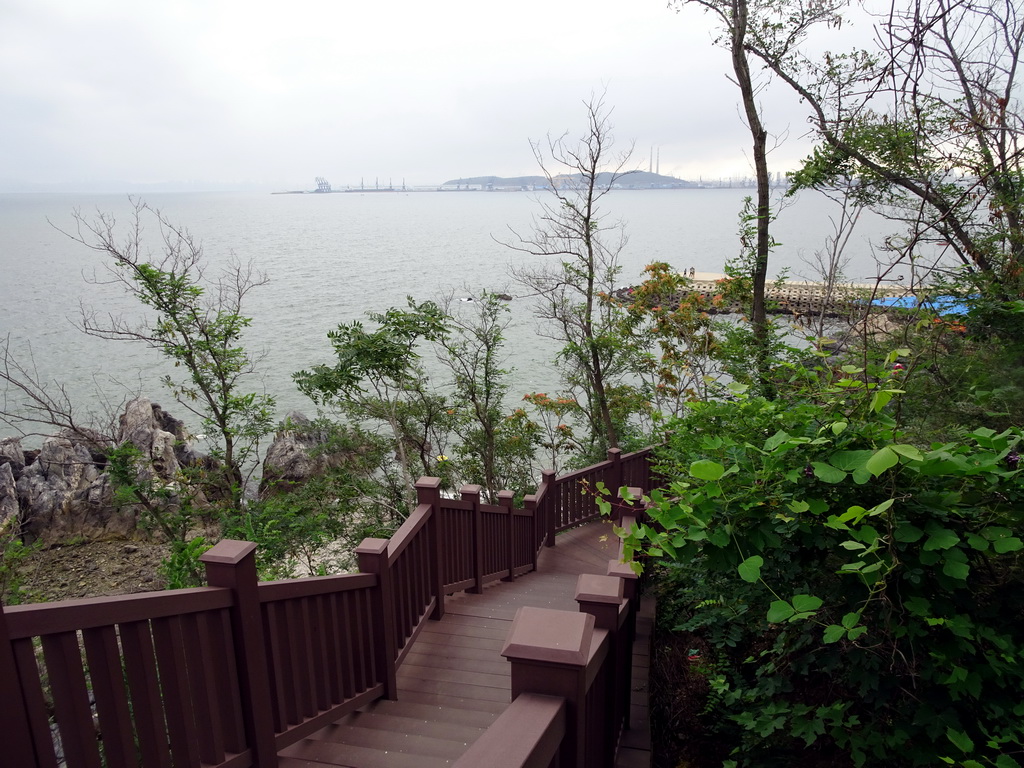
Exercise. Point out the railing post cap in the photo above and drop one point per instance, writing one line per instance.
(428, 483)
(227, 552)
(502, 495)
(621, 570)
(614, 454)
(545, 635)
(371, 546)
(470, 488)
(594, 588)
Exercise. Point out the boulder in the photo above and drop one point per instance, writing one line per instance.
(12, 455)
(296, 455)
(62, 493)
(10, 511)
(51, 491)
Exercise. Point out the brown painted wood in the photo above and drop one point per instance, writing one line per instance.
(453, 682)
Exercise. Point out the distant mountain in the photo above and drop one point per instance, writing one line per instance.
(634, 180)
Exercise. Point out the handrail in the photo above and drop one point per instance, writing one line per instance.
(232, 672)
(528, 734)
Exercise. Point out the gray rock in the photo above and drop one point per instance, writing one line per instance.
(10, 511)
(12, 454)
(296, 455)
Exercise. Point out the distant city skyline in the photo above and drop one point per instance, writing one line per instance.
(110, 95)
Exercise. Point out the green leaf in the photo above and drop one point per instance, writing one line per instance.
(883, 459)
(940, 538)
(806, 602)
(750, 569)
(956, 570)
(833, 632)
(796, 507)
(850, 620)
(705, 469)
(779, 611)
(880, 399)
(850, 460)
(1005, 761)
(827, 473)
(857, 632)
(960, 739)
(909, 451)
(907, 533)
(776, 440)
(1011, 544)
(977, 542)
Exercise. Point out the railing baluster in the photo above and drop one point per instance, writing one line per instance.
(505, 501)
(71, 699)
(17, 737)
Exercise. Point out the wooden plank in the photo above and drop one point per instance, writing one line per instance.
(147, 709)
(313, 754)
(203, 691)
(392, 723)
(431, 713)
(112, 708)
(467, 677)
(71, 699)
(174, 684)
(391, 741)
(35, 703)
(463, 690)
(452, 701)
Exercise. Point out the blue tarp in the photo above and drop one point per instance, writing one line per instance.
(940, 305)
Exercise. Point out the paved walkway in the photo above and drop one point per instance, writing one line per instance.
(454, 682)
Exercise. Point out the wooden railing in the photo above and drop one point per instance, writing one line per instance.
(571, 677)
(229, 674)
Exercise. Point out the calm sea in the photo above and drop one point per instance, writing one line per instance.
(331, 258)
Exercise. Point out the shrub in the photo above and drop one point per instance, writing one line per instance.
(860, 594)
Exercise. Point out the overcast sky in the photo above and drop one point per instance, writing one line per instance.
(275, 93)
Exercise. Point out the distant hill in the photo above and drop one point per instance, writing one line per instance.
(634, 180)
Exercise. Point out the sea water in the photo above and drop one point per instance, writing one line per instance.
(331, 258)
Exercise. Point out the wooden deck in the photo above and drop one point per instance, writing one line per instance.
(454, 683)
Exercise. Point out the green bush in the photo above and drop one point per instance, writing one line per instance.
(862, 596)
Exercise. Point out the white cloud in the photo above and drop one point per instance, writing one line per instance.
(224, 90)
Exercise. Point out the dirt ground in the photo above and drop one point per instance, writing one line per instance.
(92, 569)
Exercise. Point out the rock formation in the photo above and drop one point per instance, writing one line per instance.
(61, 492)
(296, 455)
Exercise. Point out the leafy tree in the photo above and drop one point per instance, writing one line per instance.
(195, 322)
(681, 367)
(495, 450)
(571, 227)
(928, 125)
(378, 377)
(767, 24)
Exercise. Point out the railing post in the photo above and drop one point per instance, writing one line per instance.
(602, 598)
(505, 502)
(614, 475)
(530, 504)
(428, 491)
(18, 746)
(549, 651)
(471, 493)
(548, 480)
(373, 558)
(232, 565)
